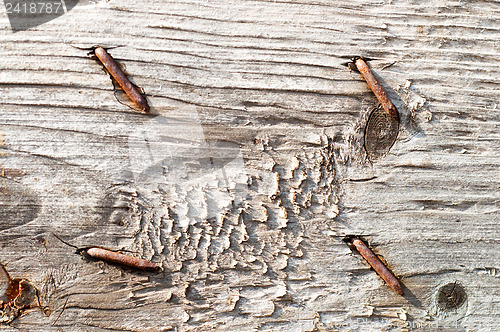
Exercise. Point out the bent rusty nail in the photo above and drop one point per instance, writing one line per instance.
(113, 257)
(377, 265)
(117, 258)
(122, 79)
(375, 86)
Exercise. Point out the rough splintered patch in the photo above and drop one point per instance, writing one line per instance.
(259, 301)
(233, 254)
(201, 179)
(415, 110)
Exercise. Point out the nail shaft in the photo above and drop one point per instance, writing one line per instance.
(377, 265)
(122, 79)
(377, 89)
(127, 260)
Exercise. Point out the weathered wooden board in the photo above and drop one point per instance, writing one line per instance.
(253, 170)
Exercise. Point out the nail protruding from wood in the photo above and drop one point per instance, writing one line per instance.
(114, 69)
(113, 257)
(377, 265)
(118, 258)
(375, 86)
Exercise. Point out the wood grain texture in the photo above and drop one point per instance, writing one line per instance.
(245, 184)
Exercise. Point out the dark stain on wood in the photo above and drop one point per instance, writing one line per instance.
(18, 205)
(18, 296)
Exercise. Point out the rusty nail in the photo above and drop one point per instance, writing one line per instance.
(115, 257)
(122, 79)
(375, 86)
(377, 265)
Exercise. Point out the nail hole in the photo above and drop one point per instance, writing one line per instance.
(451, 296)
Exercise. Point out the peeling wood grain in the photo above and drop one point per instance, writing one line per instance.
(255, 168)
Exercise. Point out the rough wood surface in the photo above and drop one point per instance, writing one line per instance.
(244, 185)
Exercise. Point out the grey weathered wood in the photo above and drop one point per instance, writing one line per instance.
(257, 247)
